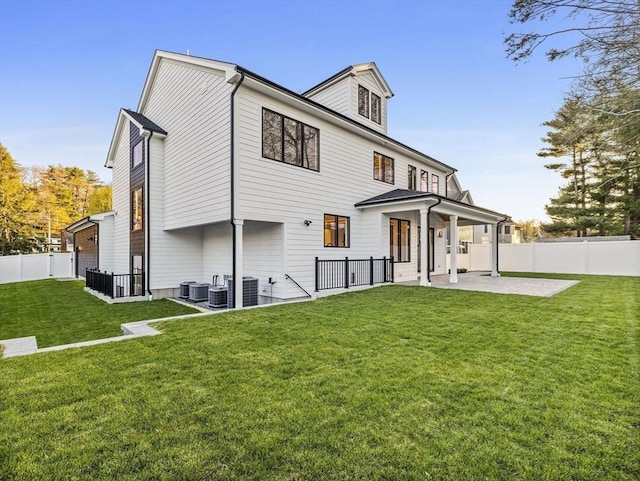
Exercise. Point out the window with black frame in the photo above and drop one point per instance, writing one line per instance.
(400, 240)
(136, 209)
(336, 231)
(290, 141)
(412, 177)
(383, 168)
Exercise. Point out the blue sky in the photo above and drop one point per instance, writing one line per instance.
(67, 66)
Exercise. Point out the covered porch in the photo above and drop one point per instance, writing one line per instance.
(431, 213)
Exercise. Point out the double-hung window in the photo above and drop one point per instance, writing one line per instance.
(382, 168)
(411, 177)
(435, 184)
(136, 209)
(336, 231)
(424, 181)
(290, 141)
(400, 240)
(369, 104)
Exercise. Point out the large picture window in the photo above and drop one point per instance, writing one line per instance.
(136, 209)
(382, 168)
(411, 177)
(400, 240)
(290, 141)
(336, 231)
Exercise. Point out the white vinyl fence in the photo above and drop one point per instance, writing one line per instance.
(30, 267)
(618, 258)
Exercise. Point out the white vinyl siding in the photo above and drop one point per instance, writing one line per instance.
(192, 104)
(276, 192)
(121, 202)
(336, 96)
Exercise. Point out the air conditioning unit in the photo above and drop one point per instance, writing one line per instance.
(199, 292)
(217, 297)
(184, 289)
(249, 292)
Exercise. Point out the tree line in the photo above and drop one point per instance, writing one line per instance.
(593, 141)
(38, 201)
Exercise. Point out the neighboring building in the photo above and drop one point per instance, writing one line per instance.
(90, 252)
(221, 171)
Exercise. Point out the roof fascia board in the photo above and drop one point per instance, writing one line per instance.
(371, 66)
(445, 207)
(272, 89)
(88, 221)
(122, 117)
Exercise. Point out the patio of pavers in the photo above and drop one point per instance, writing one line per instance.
(483, 282)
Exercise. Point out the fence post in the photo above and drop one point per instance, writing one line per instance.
(371, 270)
(384, 269)
(346, 272)
(317, 274)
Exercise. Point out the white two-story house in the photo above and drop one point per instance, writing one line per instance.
(222, 171)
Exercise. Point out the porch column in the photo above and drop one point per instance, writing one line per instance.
(424, 247)
(494, 250)
(239, 247)
(453, 243)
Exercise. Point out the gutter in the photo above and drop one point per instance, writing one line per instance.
(428, 246)
(234, 269)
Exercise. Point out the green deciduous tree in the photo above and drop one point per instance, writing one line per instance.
(17, 208)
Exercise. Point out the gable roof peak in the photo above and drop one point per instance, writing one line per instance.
(353, 71)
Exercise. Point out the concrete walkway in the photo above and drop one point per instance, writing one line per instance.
(24, 346)
(483, 282)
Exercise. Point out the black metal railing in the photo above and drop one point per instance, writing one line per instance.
(344, 273)
(115, 285)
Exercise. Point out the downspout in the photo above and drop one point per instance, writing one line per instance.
(147, 217)
(236, 281)
(428, 243)
(446, 183)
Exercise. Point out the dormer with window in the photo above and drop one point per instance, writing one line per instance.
(358, 92)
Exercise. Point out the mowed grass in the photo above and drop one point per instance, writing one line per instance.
(393, 383)
(61, 312)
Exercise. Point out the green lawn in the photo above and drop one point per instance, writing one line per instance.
(59, 312)
(393, 383)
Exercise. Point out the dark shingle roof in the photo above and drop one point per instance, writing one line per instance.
(145, 122)
(396, 194)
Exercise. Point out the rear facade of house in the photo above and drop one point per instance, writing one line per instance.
(222, 172)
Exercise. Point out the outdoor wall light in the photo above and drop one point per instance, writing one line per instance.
(440, 233)
(307, 222)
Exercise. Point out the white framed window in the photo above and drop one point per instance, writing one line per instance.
(136, 155)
